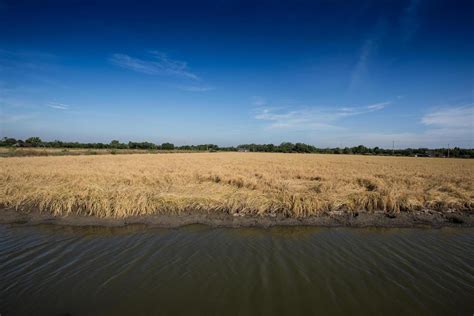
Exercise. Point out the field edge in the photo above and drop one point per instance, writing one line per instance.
(363, 219)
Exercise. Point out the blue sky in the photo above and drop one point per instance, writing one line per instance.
(328, 73)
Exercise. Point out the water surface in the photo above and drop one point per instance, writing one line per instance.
(54, 270)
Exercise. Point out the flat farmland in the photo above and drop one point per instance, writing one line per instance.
(292, 185)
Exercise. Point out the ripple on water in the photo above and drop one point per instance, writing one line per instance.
(200, 270)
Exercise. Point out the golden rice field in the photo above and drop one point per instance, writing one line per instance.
(294, 185)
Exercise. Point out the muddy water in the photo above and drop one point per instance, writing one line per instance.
(56, 270)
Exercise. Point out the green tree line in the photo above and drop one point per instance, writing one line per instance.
(285, 147)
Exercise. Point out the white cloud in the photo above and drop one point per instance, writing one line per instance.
(361, 68)
(58, 106)
(430, 138)
(14, 118)
(377, 106)
(453, 126)
(351, 111)
(313, 118)
(258, 101)
(196, 88)
(457, 117)
(368, 50)
(158, 64)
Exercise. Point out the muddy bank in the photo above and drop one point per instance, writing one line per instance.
(426, 218)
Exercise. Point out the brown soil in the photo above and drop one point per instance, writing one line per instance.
(426, 218)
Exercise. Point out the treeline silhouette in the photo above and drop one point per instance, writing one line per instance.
(285, 147)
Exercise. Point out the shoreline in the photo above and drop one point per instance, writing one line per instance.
(427, 219)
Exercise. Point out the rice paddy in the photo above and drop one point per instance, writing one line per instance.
(245, 184)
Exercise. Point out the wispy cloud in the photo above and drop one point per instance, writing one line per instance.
(58, 106)
(27, 53)
(313, 118)
(461, 117)
(158, 63)
(33, 68)
(305, 119)
(196, 88)
(15, 118)
(357, 110)
(449, 125)
(26, 61)
(432, 137)
(258, 101)
(361, 67)
(366, 53)
(452, 125)
(409, 21)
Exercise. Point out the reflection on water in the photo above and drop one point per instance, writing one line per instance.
(134, 270)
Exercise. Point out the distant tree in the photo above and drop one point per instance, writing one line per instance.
(55, 144)
(34, 141)
(286, 147)
(167, 146)
(142, 145)
(303, 148)
(455, 152)
(114, 144)
(361, 149)
(347, 151)
(6, 141)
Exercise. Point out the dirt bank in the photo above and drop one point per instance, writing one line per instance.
(426, 218)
